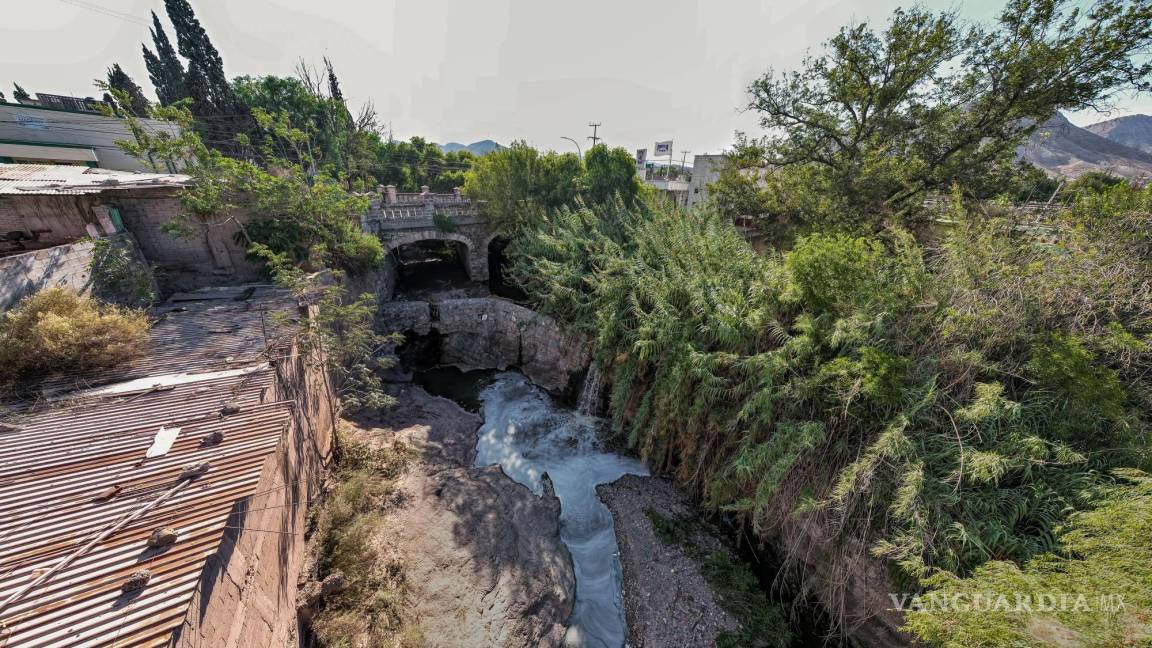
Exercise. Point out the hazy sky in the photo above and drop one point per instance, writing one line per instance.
(464, 70)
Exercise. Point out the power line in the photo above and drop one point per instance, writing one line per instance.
(111, 13)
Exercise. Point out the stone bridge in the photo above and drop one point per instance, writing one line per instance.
(404, 218)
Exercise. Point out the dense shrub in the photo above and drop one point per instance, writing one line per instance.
(119, 274)
(935, 408)
(59, 330)
(1093, 592)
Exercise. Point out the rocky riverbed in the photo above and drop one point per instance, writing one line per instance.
(482, 553)
(668, 601)
(516, 529)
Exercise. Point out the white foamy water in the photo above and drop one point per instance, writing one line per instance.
(528, 435)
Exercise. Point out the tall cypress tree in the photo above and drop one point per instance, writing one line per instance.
(194, 45)
(199, 90)
(164, 67)
(333, 82)
(118, 79)
(19, 93)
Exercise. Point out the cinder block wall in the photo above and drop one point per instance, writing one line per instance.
(64, 266)
(247, 595)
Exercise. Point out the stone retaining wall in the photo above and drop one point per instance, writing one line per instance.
(494, 333)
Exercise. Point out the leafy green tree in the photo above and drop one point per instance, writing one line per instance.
(19, 93)
(1031, 183)
(609, 173)
(320, 118)
(164, 67)
(137, 103)
(520, 185)
(344, 146)
(295, 220)
(865, 129)
(1093, 182)
(417, 162)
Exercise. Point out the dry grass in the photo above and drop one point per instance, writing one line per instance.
(373, 611)
(59, 330)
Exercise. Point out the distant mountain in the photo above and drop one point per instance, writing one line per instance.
(483, 147)
(1064, 149)
(1134, 131)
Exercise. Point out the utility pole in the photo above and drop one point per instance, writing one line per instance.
(683, 160)
(593, 136)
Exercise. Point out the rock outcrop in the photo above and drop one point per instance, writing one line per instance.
(482, 551)
(667, 600)
(493, 333)
(405, 316)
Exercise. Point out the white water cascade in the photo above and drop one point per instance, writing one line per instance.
(528, 435)
(591, 392)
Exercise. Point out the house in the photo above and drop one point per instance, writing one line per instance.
(164, 502)
(674, 190)
(50, 213)
(58, 130)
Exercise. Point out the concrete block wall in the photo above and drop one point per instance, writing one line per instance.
(206, 258)
(48, 220)
(247, 594)
(64, 266)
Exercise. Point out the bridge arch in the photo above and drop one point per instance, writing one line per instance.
(476, 256)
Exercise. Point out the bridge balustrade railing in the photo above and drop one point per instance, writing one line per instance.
(390, 216)
(438, 198)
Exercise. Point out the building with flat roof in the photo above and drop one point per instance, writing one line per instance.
(42, 134)
(705, 170)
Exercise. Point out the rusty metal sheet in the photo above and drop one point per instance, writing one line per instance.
(62, 179)
(71, 467)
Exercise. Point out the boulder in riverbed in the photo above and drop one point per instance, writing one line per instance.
(481, 553)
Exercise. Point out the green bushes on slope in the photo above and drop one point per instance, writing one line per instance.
(1095, 591)
(941, 407)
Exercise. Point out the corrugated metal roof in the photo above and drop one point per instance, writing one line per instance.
(62, 179)
(57, 458)
(201, 336)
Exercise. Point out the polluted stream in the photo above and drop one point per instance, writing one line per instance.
(528, 434)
